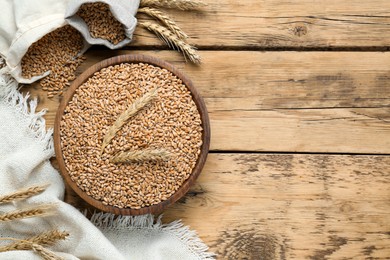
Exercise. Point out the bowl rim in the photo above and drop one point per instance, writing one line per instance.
(134, 58)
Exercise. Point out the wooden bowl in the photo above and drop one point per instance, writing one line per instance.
(153, 209)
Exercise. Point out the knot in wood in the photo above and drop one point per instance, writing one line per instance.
(300, 30)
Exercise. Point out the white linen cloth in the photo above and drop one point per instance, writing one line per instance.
(23, 22)
(25, 149)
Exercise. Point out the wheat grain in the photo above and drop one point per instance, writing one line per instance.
(39, 211)
(173, 41)
(173, 122)
(165, 20)
(55, 52)
(101, 22)
(174, 4)
(141, 155)
(60, 75)
(136, 106)
(22, 194)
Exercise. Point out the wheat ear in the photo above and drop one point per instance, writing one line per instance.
(165, 20)
(174, 4)
(28, 245)
(45, 238)
(40, 211)
(22, 194)
(172, 40)
(49, 238)
(45, 253)
(142, 155)
(136, 106)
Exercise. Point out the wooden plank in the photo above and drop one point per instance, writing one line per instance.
(331, 102)
(291, 206)
(283, 23)
(251, 80)
(307, 130)
(273, 206)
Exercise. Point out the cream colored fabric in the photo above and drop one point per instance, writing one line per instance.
(23, 22)
(25, 149)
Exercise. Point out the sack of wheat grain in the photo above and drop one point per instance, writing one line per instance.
(24, 22)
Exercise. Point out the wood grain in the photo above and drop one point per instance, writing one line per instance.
(307, 130)
(284, 24)
(285, 101)
(289, 206)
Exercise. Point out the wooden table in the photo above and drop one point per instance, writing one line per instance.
(298, 94)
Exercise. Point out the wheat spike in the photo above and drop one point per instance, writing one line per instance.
(165, 20)
(40, 211)
(45, 253)
(45, 238)
(48, 238)
(28, 245)
(173, 41)
(174, 4)
(136, 106)
(22, 194)
(142, 155)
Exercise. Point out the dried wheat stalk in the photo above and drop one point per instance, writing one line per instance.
(39, 211)
(45, 253)
(130, 111)
(22, 194)
(28, 245)
(173, 41)
(46, 238)
(165, 20)
(174, 4)
(142, 155)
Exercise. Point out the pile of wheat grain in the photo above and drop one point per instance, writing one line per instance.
(56, 52)
(101, 23)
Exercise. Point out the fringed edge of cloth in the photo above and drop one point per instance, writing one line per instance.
(10, 94)
(176, 228)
